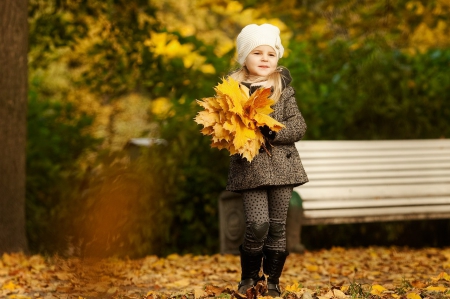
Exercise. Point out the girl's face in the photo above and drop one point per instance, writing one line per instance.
(262, 61)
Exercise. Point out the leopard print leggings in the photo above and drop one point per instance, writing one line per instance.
(265, 213)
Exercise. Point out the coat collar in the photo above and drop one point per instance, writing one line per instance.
(286, 79)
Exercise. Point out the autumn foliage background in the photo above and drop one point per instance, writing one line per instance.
(102, 72)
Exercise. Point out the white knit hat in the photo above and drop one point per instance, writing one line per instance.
(253, 36)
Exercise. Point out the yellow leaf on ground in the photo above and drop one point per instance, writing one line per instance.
(63, 276)
(335, 293)
(18, 297)
(182, 283)
(441, 276)
(199, 293)
(295, 287)
(377, 290)
(418, 284)
(213, 290)
(413, 295)
(339, 294)
(9, 286)
(101, 288)
(439, 288)
(312, 268)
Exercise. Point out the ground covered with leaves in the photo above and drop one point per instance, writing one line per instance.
(336, 273)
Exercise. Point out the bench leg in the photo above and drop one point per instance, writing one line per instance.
(231, 221)
(294, 229)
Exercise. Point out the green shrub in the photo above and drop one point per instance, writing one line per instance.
(56, 142)
(371, 92)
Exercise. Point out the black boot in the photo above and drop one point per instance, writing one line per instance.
(273, 266)
(250, 265)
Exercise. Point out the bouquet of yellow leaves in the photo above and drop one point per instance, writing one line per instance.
(233, 118)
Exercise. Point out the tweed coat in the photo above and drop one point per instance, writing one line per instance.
(284, 166)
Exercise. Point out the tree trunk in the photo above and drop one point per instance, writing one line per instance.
(13, 109)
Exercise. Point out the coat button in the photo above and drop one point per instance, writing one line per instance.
(288, 155)
(261, 150)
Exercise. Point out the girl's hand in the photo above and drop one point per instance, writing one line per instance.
(267, 132)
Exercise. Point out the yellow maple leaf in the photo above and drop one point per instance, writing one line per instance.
(259, 102)
(206, 118)
(221, 144)
(241, 133)
(262, 119)
(232, 118)
(210, 105)
(207, 130)
(234, 96)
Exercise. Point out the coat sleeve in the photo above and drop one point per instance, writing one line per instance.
(295, 126)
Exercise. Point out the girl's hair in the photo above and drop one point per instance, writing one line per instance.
(274, 79)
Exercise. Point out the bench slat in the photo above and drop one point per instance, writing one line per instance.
(375, 203)
(319, 176)
(382, 191)
(343, 181)
(373, 167)
(339, 213)
(357, 153)
(374, 218)
(371, 144)
(306, 160)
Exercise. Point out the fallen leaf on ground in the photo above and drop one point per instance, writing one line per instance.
(339, 273)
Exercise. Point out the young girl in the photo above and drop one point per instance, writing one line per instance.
(266, 183)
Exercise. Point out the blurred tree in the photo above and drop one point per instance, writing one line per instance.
(13, 107)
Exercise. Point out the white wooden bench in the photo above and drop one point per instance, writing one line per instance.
(363, 181)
